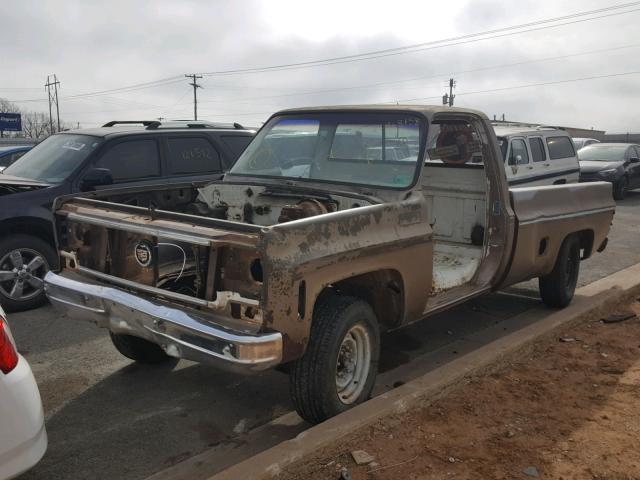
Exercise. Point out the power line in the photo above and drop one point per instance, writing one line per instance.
(463, 39)
(514, 87)
(436, 43)
(130, 88)
(529, 85)
(423, 77)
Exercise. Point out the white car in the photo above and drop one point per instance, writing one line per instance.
(23, 438)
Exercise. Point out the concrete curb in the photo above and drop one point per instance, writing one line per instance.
(590, 301)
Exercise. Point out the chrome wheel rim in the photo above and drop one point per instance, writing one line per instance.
(354, 362)
(21, 274)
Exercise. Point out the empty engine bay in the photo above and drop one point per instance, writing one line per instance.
(261, 205)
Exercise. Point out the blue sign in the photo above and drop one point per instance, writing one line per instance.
(10, 122)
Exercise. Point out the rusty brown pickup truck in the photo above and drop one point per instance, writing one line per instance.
(335, 224)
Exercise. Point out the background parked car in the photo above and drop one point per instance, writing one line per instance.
(8, 155)
(583, 142)
(23, 438)
(119, 154)
(537, 156)
(618, 163)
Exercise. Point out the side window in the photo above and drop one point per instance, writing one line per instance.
(519, 154)
(537, 150)
(132, 160)
(188, 155)
(16, 156)
(560, 147)
(237, 143)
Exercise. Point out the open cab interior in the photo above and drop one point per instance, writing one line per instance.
(457, 184)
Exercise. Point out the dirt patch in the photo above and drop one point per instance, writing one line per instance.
(569, 410)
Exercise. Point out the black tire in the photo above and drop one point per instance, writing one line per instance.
(313, 377)
(557, 288)
(620, 189)
(139, 349)
(30, 245)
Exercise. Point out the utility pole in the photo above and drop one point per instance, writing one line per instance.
(53, 98)
(447, 98)
(195, 86)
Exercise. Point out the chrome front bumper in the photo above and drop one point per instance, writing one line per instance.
(180, 333)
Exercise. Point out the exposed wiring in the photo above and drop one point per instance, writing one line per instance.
(184, 256)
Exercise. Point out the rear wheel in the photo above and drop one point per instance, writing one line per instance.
(557, 288)
(340, 364)
(620, 189)
(139, 349)
(24, 261)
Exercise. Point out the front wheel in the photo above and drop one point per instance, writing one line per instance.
(339, 367)
(139, 349)
(557, 288)
(24, 261)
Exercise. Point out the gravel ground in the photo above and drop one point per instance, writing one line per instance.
(569, 410)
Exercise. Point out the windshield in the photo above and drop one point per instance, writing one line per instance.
(54, 159)
(356, 148)
(603, 153)
(578, 143)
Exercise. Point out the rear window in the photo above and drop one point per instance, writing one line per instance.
(237, 143)
(192, 155)
(560, 147)
(537, 150)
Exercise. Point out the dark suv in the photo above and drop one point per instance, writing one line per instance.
(119, 154)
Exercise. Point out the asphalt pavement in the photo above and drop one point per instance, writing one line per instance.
(110, 418)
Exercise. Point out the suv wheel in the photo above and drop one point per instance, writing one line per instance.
(340, 364)
(24, 261)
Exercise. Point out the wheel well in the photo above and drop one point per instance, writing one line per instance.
(36, 227)
(382, 289)
(586, 238)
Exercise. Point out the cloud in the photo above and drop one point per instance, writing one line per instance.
(94, 46)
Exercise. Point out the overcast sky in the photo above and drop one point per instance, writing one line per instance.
(95, 46)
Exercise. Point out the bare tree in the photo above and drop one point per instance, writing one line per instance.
(35, 125)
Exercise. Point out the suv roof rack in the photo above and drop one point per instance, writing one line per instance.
(532, 126)
(155, 124)
(144, 123)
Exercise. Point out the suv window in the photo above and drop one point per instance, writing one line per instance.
(537, 150)
(237, 143)
(132, 160)
(192, 155)
(560, 147)
(519, 154)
